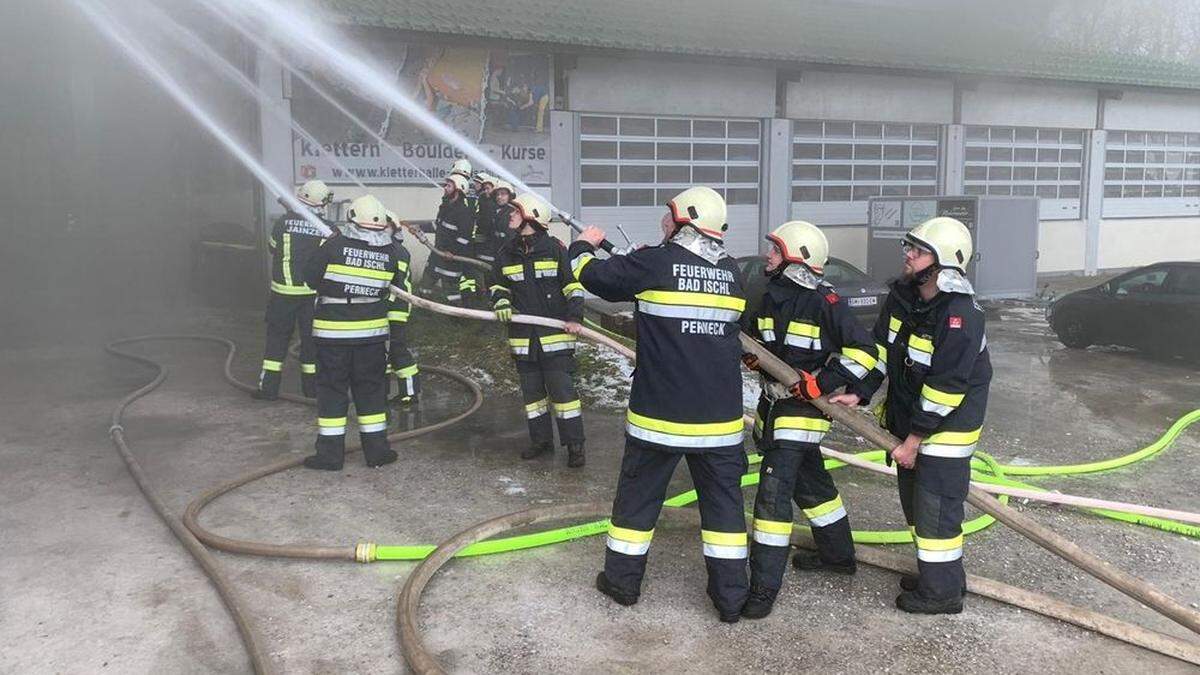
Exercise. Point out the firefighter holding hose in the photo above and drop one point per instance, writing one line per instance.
(454, 226)
(932, 349)
(686, 397)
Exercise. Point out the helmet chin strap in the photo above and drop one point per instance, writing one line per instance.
(926, 274)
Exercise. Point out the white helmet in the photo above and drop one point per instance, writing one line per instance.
(460, 183)
(503, 185)
(802, 242)
(314, 193)
(369, 213)
(461, 167)
(947, 238)
(533, 209)
(703, 208)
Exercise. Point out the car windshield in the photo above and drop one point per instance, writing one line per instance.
(1148, 281)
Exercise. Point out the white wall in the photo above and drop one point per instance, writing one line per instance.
(1152, 111)
(1132, 242)
(849, 244)
(870, 98)
(1030, 105)
(1061, 245)
(654, 86)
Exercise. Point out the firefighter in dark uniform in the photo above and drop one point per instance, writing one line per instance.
(293, 240)
(351, 273)
(455, 224)
(803, 322)
(401, 363)
(492, 231)
(532, 275)
(931, 346)
(686, 396)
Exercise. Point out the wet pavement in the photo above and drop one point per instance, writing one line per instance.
(91, 580)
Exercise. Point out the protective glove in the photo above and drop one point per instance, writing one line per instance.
(503, 310)
(750, 361)
(806, 388)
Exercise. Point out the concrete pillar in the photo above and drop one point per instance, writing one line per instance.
(775, 194)
(275, 134)
(564, 160)
(1093, 198)
(950, 174)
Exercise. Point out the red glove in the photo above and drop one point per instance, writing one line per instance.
(750, 360)
(806, 387)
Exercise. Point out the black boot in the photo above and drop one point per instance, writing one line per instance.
(575, 456)
(759, 604)
(537, 450)
(908, 582)
(382, 459)
(913, 603)
(620, 597)
(724, 616)
(322, 463)
(809, 561)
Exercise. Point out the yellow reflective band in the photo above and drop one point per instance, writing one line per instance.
(537, 405)
(860, 357)
(498, 287)
(273, 366)
(772, 526)
(331, 421)
(284, 289)
(308, 368)
(686, 429)
(955, 437)
(518, 342)
(571, 287)
(581, 262)
(511, 269)
(941, 397)
(804, 329)
(893, 324)
(545, 264)
(693, 299)
(402, 265)
(766, 322)
(398, 316)
(827, 507)
(631, 536)
(287, 260)
(723, 538)
(372, 419)
(882, 352)
(939, 544)
(359, 272)
(326, 324)
(408, 371)
(569, 405)
(805, 423)
(920, 344)
(556, 337)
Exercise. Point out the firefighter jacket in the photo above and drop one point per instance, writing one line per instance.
(399, 309)
(686, 394)
(806, 327)
(293, 241)
(936, 360)
(351, 277)
(455, 224)
(533, 275)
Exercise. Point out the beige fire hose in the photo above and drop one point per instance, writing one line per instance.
(446, 255)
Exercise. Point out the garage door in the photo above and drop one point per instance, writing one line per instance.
(631, 165)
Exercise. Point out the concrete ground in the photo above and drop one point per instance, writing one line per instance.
(91, 580)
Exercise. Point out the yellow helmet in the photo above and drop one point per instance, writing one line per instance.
(485, 178)
(314, 193)
(461, 167)
(703, 208)
(503, 185)
(802, 242)
(369, 213)
(947, 238)
(533, 208)
(460, 183)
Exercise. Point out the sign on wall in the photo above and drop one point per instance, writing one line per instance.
(498, 99)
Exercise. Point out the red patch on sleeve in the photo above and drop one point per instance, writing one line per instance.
(956, 322)
(831, 297)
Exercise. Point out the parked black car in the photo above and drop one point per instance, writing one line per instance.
(863, 294)
(1154, 308)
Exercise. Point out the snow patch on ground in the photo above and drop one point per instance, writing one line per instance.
(607, 383)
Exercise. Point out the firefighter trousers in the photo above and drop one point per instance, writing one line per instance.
(401, 362)
(447, 281)
(932, 496)
(357, 369)
(548, 388)
(284, 314)
(641, 489)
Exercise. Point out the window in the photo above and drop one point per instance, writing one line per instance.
(1150, 173)
(644, 161)
(1026, 162)
(1185, 280)
(1150, 281)
(854, 161)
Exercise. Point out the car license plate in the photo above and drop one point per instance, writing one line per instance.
(865, 301)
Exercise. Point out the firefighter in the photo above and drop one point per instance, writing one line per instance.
(803, 322)
(686, 396)
(454, 226)
(531, 275)
(481, 243)
(931, 346)
(351, 273)
(401, 363)
(293, 240)
(461, 167)
(495, 231)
